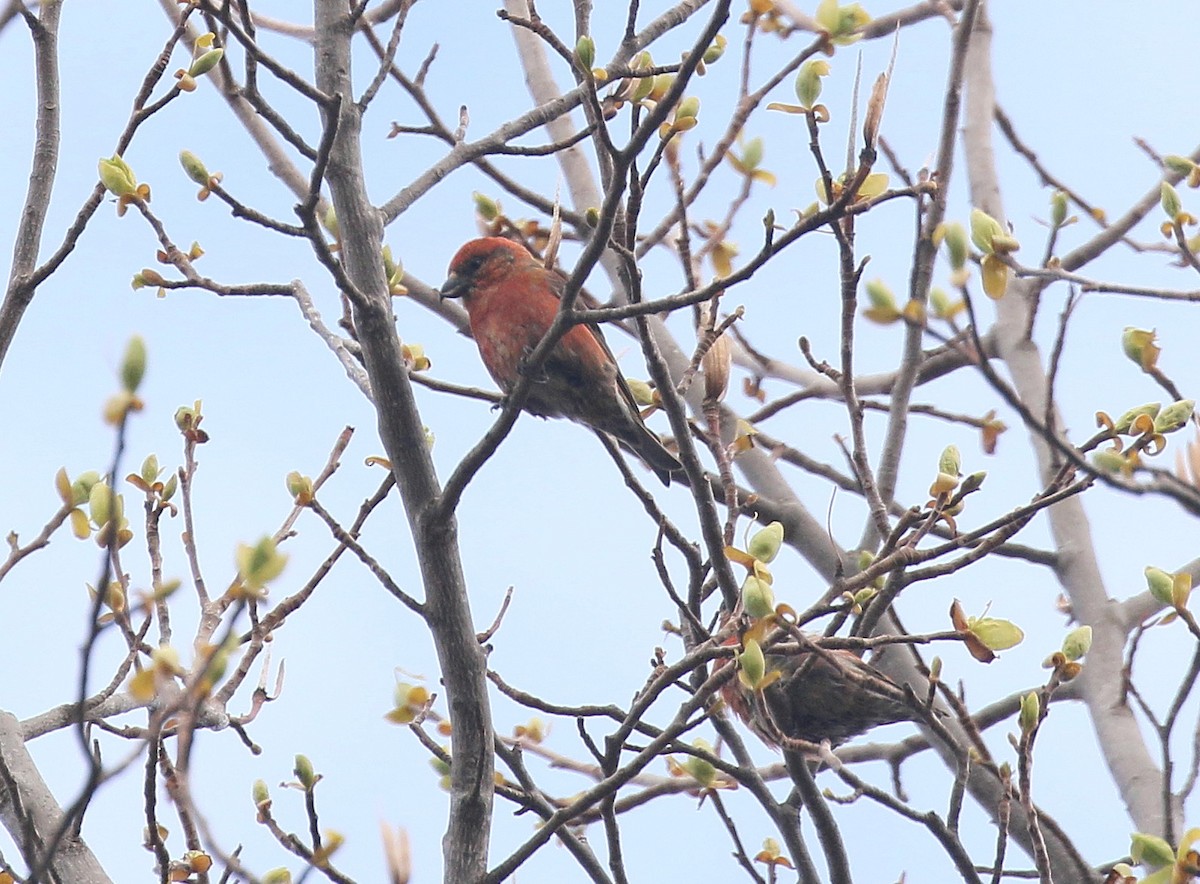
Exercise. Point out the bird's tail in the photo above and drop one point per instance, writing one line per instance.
(642, 441)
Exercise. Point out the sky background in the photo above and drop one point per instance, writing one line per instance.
(547, 515)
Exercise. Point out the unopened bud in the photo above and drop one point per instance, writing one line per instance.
(202, 64)
(1058, 208)
(1174, 416)
(304, 772)
(585, 51)
(194, 168)
(116, 175)
(766, 543)
(1160, 583)
(1169, 199)
(1077, 643)
(133, 365)
(758, 599)
(1031, 708)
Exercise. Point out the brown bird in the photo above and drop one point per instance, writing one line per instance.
(511, 300)
(821, 695)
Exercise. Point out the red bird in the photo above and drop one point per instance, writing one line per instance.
(511, 300)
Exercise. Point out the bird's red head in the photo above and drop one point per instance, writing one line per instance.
(481, 260)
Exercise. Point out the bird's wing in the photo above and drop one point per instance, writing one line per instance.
(557, 283)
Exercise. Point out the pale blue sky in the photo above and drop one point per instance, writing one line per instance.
(547, 514)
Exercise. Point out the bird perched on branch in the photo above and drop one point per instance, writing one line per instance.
(512, 299)
(823, 694)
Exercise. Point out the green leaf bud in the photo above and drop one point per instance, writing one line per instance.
(1058, 208)
(1169, 199)
(752, 664)
(194, 168)
(117, 177)
(950, 461)
(954, 235)
(304, 772)
(133, 365)
(585, 52)
(1031, 708)
(1178, 165)
(808, 81)
(984, 230)
(765, 544)
(758, 599)
(1160, 583)
(1151, 851)
(204, 63)
(1077, 643)
(1174, 416)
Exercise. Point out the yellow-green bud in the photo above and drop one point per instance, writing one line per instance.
(1178, 165)
(701, 769)
(277, 876)
(1031, 708)
(954, 235)
(939, 301)
(1139, 345)
(202, 64)
(1125, 421)
(687, 108)
(1077, 643)
(1058, 208)
(642, 89)
(259, 564)
(169, 487)
(185, 418)
(100, 503)
(1150, 851)
(116, 175)
(1169, 199)
(662, 84)
(808, 81)
(304, 771)
(150, 469)
(643, 393)
(752, 663)
(81, 488)
(1174, 416)
(1160, 583)
(195, 169)
(486, 207)
(984, 230)
(765, 544)
(715, 49)
(996, 634)
(950, 461)
(300, 487)
(585, 51)
(133, 365)
(880, 295)
(758, 599)
(260, 793)
(1108, 461)
(752, 154)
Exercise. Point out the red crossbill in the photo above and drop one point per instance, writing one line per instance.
(511, 300)
(821, 695)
